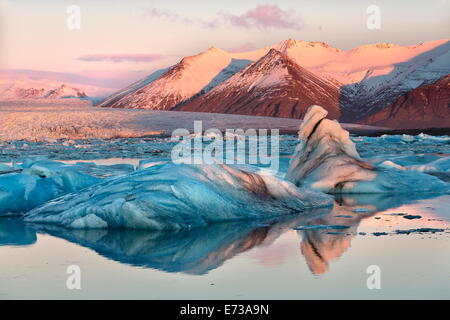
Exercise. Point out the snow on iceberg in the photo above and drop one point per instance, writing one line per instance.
(178, 196)
(326, 159)
(34, 182)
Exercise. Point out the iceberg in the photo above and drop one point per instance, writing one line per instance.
(34, 182)
(168, 196)
(326, 159)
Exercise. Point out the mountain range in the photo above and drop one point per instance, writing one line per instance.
(18, 91)
(382, 84)
(379, 84)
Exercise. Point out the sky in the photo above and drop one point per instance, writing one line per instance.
(121, 41)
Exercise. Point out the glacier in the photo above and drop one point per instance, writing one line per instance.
(168, 196)
(326, 159)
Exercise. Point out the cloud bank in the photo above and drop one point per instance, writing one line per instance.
(264, 17)
(117, 58)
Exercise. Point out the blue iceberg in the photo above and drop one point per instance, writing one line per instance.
(178, 196)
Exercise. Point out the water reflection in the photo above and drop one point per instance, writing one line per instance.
(321, 246)
(194, 252)
(201, 250)
(380, 201)
(13, 232)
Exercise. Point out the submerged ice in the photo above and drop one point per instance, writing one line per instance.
(326, 159)
(171, 196)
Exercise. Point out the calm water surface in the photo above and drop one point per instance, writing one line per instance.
(318, 254)
(297, 257)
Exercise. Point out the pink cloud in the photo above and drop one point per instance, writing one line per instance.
(248, 46)
(264, 17)
(121, 57)
(166, 14)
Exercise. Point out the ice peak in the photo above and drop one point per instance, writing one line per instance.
(313, 116)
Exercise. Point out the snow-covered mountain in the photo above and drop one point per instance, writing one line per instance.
(93, 86)
(180, 82)
(427, 106)
(63, 92)
(275, 85)
(369, 78)
(382, 85)
(18, 92)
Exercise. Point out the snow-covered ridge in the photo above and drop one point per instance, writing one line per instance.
(17, 92)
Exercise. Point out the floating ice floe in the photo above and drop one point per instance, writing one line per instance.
(405, 138)
(171, 196)
(439, 165)
(425, 163)
(326, 159)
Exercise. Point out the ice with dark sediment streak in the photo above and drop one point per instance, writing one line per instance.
(326, 159)
(178, 196)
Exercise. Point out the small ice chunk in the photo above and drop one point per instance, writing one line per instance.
(411, 217)
(419, 230)
(377, 234)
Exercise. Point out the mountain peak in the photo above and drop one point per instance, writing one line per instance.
(381, 45)
(270, 60)
(215, 50)
(286, 44)
(19, 91)
(273, 52)
(292, 43)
